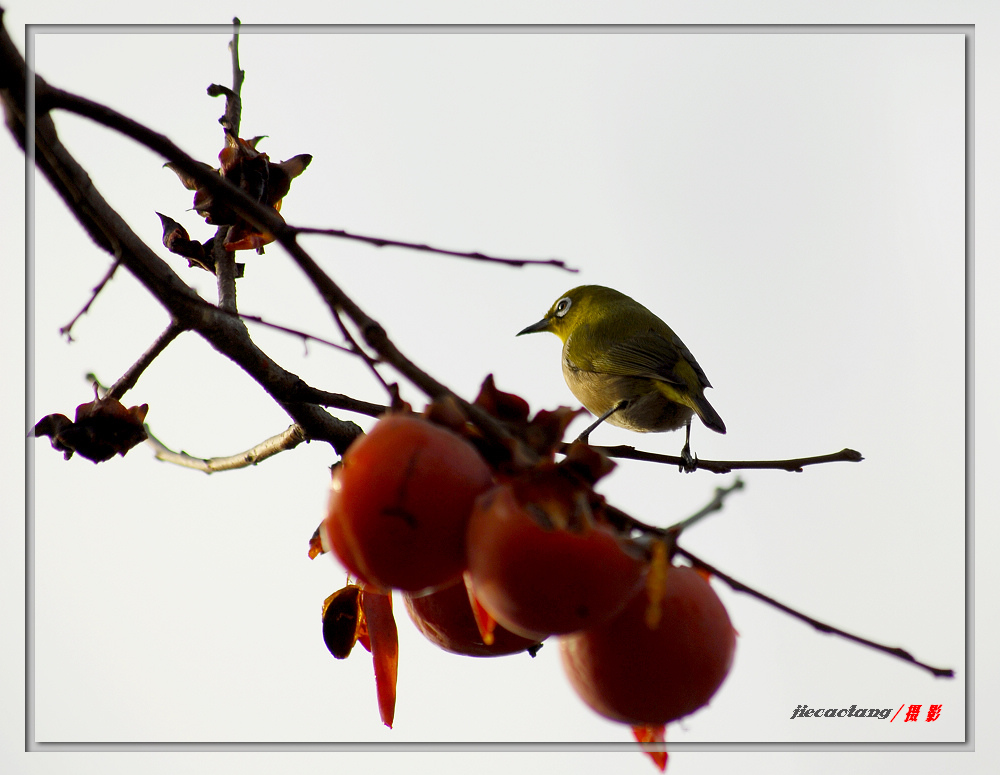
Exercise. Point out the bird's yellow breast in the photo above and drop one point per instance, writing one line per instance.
(649, 409)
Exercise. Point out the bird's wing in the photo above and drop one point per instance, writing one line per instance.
(649, 354)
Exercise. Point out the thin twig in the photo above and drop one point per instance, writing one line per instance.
(304, 394)
(627, 523)
(294, 332)
(65, 330)
(739, 586)
(232, 117)
(381, 242)
(288, 439)
(716, 504)
(377, 338)
(627, 452)
(234, 107)
(225, 261)
(127, 381)
(359, 351)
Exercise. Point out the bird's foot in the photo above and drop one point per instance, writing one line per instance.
(689, 462)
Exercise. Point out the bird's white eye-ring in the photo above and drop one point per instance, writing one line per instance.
(562, 306)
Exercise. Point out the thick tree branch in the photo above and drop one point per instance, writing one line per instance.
(225, 271)
(340, 401)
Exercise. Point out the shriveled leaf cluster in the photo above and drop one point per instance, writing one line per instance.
(102, 429)
(253, 172)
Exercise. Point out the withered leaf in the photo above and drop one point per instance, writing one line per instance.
(243, 236)
(188, 182)
(254, 173)
(384, 642)
(316, 547)
(246, 167)
(506, 407)
(281, 176)
(103, 428)
(176, 240)
(589, 463)
(545, 432)
(342, 620)
(542, 434)
(651, 738)
(53, 426)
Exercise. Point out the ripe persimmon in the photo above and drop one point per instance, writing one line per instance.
(446, 619)
(638, 674)
(400, 501)
(538, 579)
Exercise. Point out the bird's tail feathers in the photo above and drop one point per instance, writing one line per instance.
(708, 415)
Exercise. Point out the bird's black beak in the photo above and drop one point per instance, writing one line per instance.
(534, 328)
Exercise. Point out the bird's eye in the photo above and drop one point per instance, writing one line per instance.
(562, 306)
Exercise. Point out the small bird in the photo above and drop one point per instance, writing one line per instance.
(627, 366)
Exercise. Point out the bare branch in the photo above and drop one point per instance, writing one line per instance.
(225, 332)
(225, 261)
(716, 504)
(268, 220)
(340, 401)
(288, 439)
(225, 270)
(295, 332)
(627, 452)
(359, 351)
(381, 242)
(627, 523)
(127, 381)
(234, 101)
(739, 586)
(65, 330)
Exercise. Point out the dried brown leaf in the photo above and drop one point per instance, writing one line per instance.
(102, 429)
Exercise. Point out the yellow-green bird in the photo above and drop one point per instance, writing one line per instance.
(626, 365)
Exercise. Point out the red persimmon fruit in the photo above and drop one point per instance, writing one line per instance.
(641, 675)
(400, 502)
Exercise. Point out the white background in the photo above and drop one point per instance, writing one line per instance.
(793, 205)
